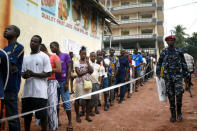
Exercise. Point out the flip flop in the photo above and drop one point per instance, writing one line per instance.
(69, 128)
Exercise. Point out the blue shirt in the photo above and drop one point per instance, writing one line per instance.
(124, 65)
(4, 65)
(15, 53)
(138, 60)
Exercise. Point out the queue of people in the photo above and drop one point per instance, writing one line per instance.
(47, 77)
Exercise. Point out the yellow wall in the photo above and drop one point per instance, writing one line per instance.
(115, 3)
(4, 19)
(115, 32)
(133, 30)
(30, 26)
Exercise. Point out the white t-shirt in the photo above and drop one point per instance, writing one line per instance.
(134, 65)
(144, 60)
(36, 87)
(98, 71)
(107, 62)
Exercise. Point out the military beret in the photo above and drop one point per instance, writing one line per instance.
(170, 37)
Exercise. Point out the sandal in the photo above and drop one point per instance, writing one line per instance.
(78, 119)
(69, 128)
(92, 114)
(82, 114)
(88, 119)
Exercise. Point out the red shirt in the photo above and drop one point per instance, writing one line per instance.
(130, 62)
(53, 60)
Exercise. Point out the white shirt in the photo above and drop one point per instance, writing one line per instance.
(144, 60)
(107, 62)
(131, 69)
(133, 63)
(98, 71)
(36, 87)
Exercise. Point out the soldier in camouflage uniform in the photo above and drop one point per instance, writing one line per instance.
(175, 68)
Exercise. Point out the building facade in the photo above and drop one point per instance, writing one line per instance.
(140, 25)
(72, 23)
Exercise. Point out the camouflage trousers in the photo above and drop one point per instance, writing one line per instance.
(174, 91)
(174, 87)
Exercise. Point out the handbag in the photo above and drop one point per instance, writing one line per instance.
(73, 74)
(87, 85)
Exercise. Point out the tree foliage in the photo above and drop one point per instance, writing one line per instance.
(185, 41)
(192, 45)
(179, 32)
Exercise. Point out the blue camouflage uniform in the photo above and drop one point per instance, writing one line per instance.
(15, 53)
(175, 68)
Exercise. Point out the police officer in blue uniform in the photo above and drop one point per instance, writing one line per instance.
(15, 52)
(175, 68)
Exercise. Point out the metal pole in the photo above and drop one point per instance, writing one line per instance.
(109, 5)
(105, 4)
(110, 41)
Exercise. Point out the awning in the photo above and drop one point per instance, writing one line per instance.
(100, 7)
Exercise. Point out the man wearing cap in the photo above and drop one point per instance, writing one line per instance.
(175, 68)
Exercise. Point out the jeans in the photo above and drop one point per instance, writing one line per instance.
(122, 88)
(65, 96)
(105, 84)
(11, 105)
(111, 82)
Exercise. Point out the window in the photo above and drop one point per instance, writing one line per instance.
(124, 17)
(147, 31)
(125, 32)
(146, 15)
(125, 3)
(145, 1)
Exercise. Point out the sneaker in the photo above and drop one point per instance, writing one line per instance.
(92, 114)
(105, 108)
(120, 101)
(129, 96)
(97, 112)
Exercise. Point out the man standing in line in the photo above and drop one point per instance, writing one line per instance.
(122, 74)
(96, 79)
(105, 78)
(36, 69)
(175, 68)
(4, 75)
(63, 79)
(139, 62)
(15, 52)
(113, 70)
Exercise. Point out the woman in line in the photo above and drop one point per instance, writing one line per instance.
(83, 70)
(52, 89)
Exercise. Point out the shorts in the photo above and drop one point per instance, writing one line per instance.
(137, 73)
(30, 104)
(142, 73)
(65, 96)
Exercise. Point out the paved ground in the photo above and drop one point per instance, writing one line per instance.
(142, 111)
